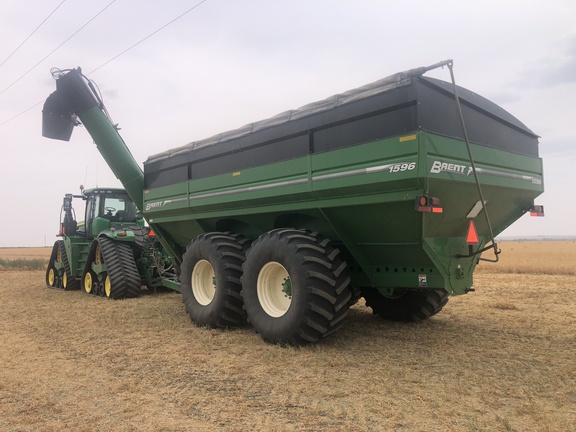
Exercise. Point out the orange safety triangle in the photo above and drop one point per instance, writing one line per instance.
(472, 235)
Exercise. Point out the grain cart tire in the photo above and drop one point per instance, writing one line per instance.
(340, 269)
(69, 283)
(122, 279)
(210, 280)
(407, 305)
(356, 295)
(295, 287)
(51, 272)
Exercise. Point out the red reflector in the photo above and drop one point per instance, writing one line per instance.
(151, 234)
(437, 210)
(472, 235)
(121, 234)
(537, 210)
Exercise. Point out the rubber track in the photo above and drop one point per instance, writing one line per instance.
(121, 268)
(72, 283)
(53, 256)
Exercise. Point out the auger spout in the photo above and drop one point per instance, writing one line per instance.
(74, 99)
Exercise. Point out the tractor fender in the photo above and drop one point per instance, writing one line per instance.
(121, 235)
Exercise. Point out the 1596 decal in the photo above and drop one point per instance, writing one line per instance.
(402, 167)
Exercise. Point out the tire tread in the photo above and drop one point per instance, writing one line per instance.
(325, 282)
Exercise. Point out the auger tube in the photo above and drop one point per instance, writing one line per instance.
(73, 97)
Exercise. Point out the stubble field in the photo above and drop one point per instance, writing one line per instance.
(500, 359)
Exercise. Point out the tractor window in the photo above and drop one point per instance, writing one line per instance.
(91, 207)
(117, 209)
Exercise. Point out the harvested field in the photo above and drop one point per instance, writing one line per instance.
(533, 257)
(26, 253)
(502, 358)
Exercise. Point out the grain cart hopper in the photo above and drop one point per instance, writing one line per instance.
(391, 191)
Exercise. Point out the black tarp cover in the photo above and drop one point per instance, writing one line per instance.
(401, 103)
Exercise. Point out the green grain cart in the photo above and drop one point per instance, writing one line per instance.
(391, 191)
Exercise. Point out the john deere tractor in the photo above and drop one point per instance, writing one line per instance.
(111, 253)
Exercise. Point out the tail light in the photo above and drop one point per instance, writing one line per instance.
(537, 210)
(429, 204)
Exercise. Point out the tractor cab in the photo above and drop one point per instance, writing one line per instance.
(109, 209)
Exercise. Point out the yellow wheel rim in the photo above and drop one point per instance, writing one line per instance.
(59, 256)
(107, 286)
(51, 277)
(64, 279)
(88, 283)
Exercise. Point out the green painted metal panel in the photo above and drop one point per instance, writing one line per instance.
(359, 194)
(314, 178)
(77, 251)
(362, 197)
(99, 224)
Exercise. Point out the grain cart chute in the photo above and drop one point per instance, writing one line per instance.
(390, 191)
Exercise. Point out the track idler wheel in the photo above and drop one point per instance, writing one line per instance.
(51, 270)
(89, 282)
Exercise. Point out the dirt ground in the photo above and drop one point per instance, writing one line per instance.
(500, 359)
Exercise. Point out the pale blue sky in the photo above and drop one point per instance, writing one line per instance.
(232, 62)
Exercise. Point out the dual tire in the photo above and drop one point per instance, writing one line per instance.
(295, 287)
(291, 285)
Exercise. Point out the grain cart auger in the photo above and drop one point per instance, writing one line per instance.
(111, 252)
(390, 191)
